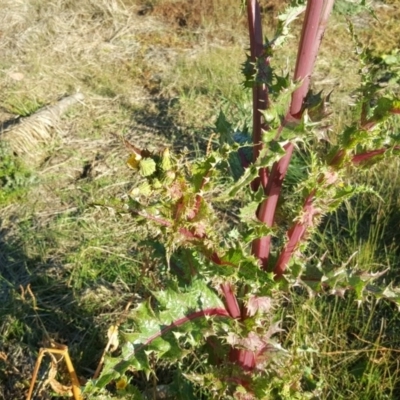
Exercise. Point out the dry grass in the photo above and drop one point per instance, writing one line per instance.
(154, 71)
(82, 262)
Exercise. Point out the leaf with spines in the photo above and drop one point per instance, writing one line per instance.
(147, 167)
(236, 265)
(181, 318)
(223, 128)
(285, 19)
(166, 162)
(202, 170)
(144, 189)
(266, 158)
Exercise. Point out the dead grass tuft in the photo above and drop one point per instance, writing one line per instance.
(385, 33)
(25, 136)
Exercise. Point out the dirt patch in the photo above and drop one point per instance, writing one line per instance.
(198, 13)
(183, 14)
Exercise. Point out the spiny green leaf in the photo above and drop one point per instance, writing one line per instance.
(390, 293)
(166, 162)
(238, 265)
(248, 212)
(236, 167)
(147, 166)
(157, 331)
(285, 19)
(383, 108)
(224, 128)
(201, 169)
(266, 159)
(249, 175)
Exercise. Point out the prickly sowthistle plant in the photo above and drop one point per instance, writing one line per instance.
(226, 280)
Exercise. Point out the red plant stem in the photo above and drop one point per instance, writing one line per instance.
(245, 358)
(199, 197)
(295, 235)
(314, 25)
(308, 50)
(326, 12)
(266, 212)
(185, 232)
(231, 302)
(260, 91)
(297, 232)
(219, 312)
(358, 158)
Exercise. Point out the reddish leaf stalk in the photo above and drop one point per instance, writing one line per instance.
(367, 125)
(163, 222)
(358, 158)
(295, 235)
(208, 312)
(245, 358)
(231, 301)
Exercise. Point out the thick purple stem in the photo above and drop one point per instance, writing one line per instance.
(308, 50)
(315, 20)
(230, 301)
(266, 212)
(245, 358)
(260, 91)
(242, 357)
